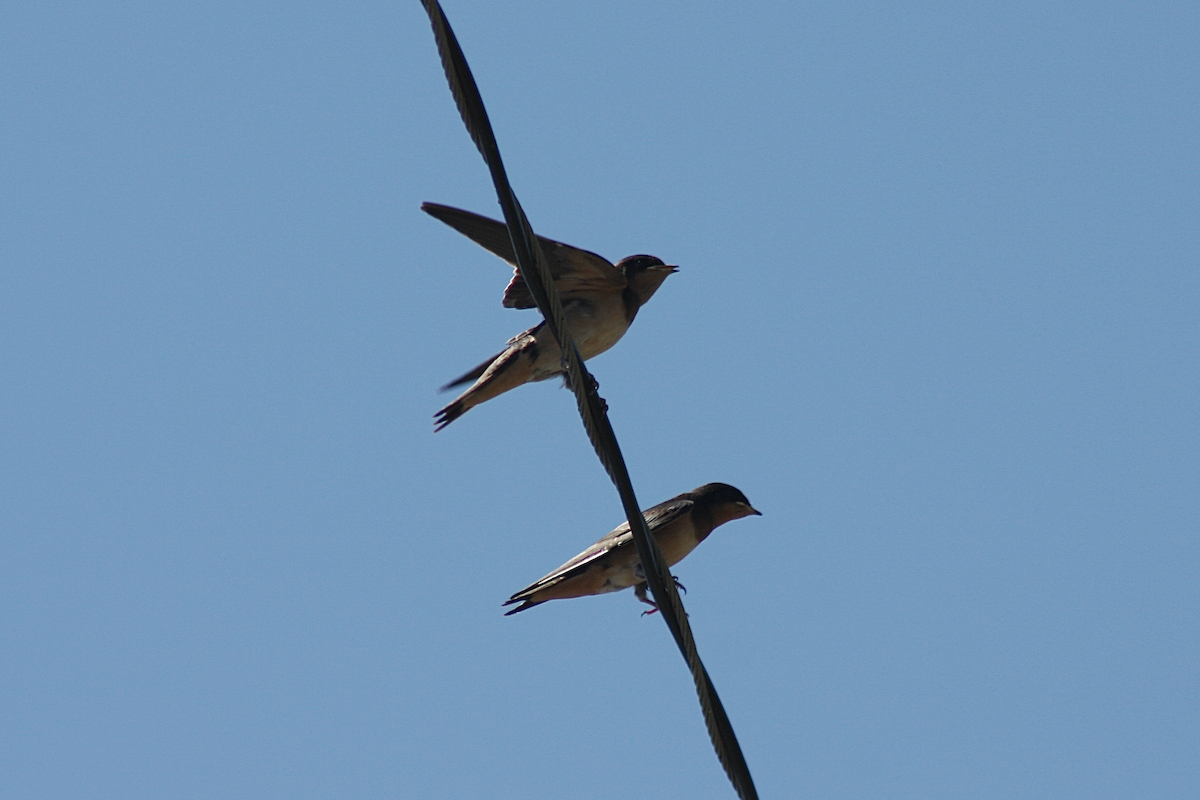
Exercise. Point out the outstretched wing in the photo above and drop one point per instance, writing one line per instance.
(574, 270)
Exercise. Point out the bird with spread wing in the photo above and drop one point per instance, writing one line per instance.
(600, 300)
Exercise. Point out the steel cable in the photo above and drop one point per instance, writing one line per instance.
(531, 264)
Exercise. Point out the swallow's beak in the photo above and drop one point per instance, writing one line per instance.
(754, 511)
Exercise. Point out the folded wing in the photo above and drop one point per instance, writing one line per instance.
(661, 514)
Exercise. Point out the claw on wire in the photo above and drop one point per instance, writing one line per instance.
(639, 591)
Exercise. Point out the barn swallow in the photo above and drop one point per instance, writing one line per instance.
(612, 564)
(600, 301)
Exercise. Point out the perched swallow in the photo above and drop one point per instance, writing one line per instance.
(600, 300)
(612, 564)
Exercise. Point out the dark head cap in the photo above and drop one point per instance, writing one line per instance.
(631, 265)
(714, 494)
(644, 274)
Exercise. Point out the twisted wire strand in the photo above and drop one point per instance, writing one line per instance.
(531, 263)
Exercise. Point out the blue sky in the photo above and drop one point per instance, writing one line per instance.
(937, 315)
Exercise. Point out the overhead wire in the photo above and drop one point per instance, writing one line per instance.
(532, 266)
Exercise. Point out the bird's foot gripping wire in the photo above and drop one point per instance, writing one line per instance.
(640, 592)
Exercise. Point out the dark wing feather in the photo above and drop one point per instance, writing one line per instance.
(661, 514)
(574, 270)
(469, 377)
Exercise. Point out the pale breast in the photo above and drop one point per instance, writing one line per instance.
(681, 541)
(596, 326)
